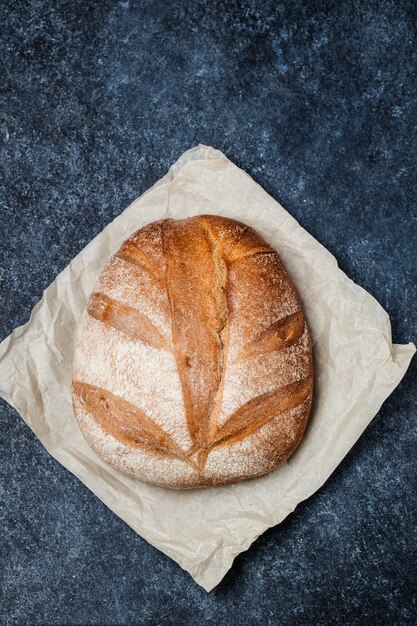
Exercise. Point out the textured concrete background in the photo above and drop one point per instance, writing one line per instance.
(316, 101)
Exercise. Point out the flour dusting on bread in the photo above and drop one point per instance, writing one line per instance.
(193, 362)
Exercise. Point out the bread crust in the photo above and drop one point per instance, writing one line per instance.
(193, 363)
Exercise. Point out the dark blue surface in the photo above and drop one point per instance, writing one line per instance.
(316, 101)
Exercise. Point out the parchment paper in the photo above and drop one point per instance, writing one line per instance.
(356, 368)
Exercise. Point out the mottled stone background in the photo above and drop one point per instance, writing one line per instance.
(317, 102)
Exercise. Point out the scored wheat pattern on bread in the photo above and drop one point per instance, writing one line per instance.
(211, 302)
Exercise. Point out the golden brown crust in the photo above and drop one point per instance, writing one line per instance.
(125, 422)
(125, 319)
(217, 315)
(195, 287)
(144, 248)
(259, 411)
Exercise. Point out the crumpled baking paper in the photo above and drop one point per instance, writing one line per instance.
(356, 368)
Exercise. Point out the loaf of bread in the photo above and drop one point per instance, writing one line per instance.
(193, 362)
